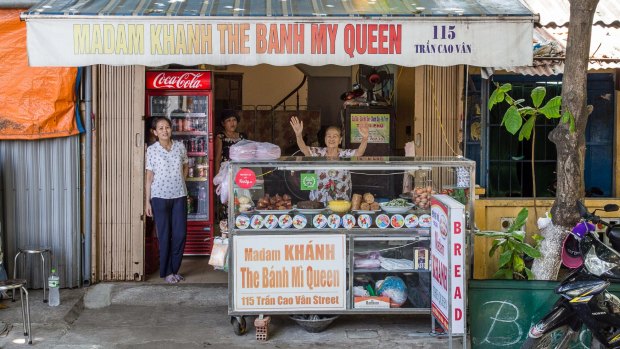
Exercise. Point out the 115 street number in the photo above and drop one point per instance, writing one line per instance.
(444, 32)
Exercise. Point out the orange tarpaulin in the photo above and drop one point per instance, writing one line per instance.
(35, 103)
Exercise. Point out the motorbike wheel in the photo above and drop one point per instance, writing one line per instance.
(549, 340)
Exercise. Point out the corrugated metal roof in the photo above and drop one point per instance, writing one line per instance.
(557, 12)
(294, 8)
(550, 40)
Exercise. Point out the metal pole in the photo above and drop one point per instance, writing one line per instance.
(88, 180)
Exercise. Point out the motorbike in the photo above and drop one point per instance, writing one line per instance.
(584, 299)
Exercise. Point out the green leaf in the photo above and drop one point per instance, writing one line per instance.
(496, 244)
(493, 249)
(496, 97)
(503, 274)
(530, 275)
(565, 117)
(512, 120)
(505, 258)
(518, 264)
(537, 238)
(552, 109)
(518, 235)
(538, 94)
(526, 130)
(530, 251)
(527, 111)
(519, 101)
(491, 234)
(499, 94)
(519, 221)
(505, 87)
(571, 128)
(509, 99)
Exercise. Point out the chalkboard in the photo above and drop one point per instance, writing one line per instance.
(501, 312)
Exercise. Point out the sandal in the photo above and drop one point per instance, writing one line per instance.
(171, 279)
(178, 277)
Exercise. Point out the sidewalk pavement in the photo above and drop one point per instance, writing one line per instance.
(141, 315)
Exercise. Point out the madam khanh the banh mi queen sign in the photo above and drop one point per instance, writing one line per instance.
(299, 273)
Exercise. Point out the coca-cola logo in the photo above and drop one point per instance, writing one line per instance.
(183, 81)
(245, 178)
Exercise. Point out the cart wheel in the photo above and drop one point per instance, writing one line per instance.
(239, 325)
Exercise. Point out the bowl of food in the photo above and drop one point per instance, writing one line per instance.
(339, 206)
(396, 206)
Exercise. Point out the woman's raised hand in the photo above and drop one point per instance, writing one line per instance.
(363, 130)
(298, 126)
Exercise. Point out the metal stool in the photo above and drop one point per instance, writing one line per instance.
(33, 250)
(20, 284)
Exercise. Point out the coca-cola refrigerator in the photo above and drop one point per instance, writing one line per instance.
(185, 97)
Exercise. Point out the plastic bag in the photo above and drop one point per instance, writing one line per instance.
(394, 288)
(219, 254)
(367, 263)
(221, 181)
(251, 150)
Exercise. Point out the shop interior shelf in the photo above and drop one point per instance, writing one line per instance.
(196, 179)
(188, 115)
(361, 271)
(197, 153)
(190, 133)
(391, 310)
(197, 217)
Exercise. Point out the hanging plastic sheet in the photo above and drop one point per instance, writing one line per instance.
(35, 103)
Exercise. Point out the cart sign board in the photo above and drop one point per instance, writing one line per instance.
(378, 127)
(447, 263)
(298, 273)
(129, 40)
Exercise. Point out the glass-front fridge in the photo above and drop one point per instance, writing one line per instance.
(185, 97)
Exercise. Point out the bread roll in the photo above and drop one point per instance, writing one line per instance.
(375, 206)
(365, 206)
(356, 201)
(369, 198)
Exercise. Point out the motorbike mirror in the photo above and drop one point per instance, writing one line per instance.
(583, 211)
(611, 208)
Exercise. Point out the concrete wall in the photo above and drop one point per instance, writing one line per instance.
(267, 85)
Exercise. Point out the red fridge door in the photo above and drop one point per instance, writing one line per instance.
(192, 124)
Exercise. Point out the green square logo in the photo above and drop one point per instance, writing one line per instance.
(308, 181)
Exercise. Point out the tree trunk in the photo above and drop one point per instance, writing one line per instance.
(570, 146)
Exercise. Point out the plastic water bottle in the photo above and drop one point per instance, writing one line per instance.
(53, 283)
(202, 199)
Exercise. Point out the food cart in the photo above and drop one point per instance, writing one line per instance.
(405, 252)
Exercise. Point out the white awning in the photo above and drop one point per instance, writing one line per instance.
(191, 32)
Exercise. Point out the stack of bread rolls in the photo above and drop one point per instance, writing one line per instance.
(364, 203)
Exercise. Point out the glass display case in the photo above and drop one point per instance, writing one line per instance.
(369, 253)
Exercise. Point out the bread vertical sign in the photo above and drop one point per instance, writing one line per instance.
(448, 263)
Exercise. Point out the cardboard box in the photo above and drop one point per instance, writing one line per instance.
(371, 302)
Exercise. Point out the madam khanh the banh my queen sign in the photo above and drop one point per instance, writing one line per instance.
(300, 273)
(159, 41)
